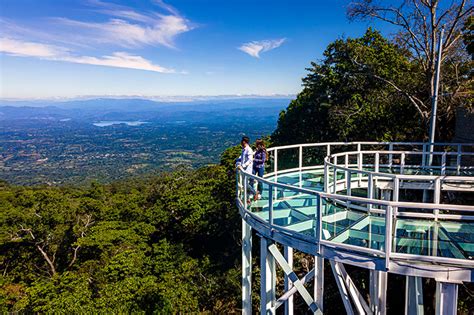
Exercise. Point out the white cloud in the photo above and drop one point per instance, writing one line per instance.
(254, 48)
(123, 33)
(167, 7)
(21, 48)
(119, 60)
(48, 52)
(128, 28)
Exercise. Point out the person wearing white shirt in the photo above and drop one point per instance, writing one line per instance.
(245, 161)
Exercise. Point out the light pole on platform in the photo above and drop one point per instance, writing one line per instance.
(434, 100)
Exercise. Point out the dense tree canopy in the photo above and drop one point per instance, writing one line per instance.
(347, 96)
(164, 243)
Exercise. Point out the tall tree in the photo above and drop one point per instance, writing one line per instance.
(419, 23)
(346, 95)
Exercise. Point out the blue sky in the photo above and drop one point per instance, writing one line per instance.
(67, 48)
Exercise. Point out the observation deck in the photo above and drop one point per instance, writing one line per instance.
(385, 207)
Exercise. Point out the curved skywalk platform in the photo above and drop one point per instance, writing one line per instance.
(386, 207)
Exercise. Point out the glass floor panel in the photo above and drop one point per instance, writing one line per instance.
(297, 212)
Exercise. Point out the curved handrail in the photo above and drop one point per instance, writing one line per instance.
(329, 146)
(368, 176)
(322, 194)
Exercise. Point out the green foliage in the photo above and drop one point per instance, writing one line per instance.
(162, 244)
(354, 94)
(468, 35)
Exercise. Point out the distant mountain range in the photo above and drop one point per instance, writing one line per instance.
(40, 102)
(100, 108)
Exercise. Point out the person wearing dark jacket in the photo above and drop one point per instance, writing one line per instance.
(259, 159)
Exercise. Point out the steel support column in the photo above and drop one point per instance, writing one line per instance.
(246, 268)
(267, 278)
(414, 296)
(378, 292)
(288, 253)
(319, 282)
(446, 298)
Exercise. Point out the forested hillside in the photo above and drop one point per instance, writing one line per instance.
(166, 243)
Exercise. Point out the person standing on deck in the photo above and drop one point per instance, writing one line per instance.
(259, 160)
(245, 161)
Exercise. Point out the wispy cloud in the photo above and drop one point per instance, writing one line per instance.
(119, 32)
(56, 53)
(129, 28)
(119, 60)
(29, 49)
(254, 48)
(167, 7)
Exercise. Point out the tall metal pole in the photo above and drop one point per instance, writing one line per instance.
(434, 104)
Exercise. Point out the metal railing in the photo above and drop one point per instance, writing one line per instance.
(388, 210)
(370, 175)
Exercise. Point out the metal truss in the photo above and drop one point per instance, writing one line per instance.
(354, 301)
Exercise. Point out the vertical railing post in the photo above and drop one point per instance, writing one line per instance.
(359, 160)
(377, 162)
(370, 189)
(300, 157)
(348, 186)
(396, 192)
(423, 157)
(275, 163)
(458, 160)
(326, 176)
(238, 180)
(276, 168)
(328, 150)
(437, 196)
(237, 183)
(270, 204)
(334, 178)
(245, 190)
(388, 236)
(377, 169)
(402, 162)
(348, 182)
(319, 223)
(443, 163)
(390, 155)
